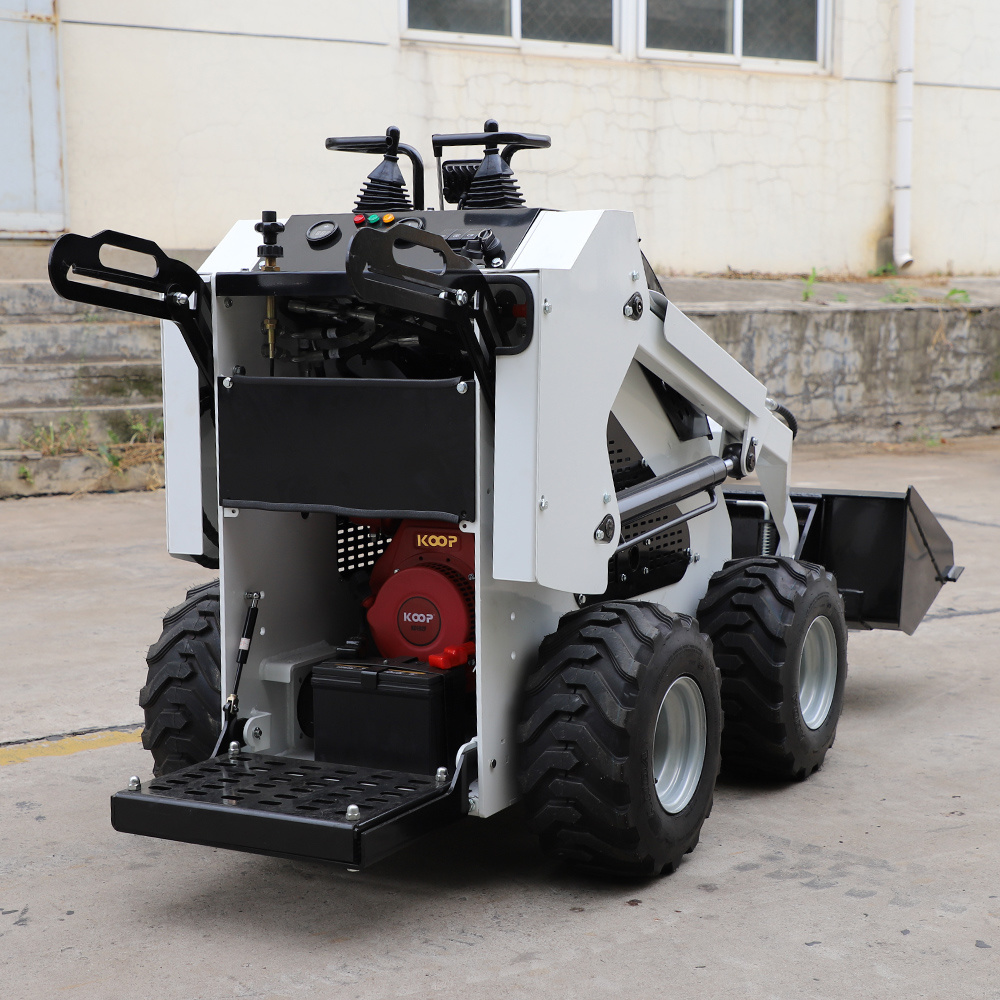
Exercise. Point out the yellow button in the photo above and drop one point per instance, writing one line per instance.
(388, 218)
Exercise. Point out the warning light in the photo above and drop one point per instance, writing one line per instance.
(359, 220)
(373, 219)
(388, 218)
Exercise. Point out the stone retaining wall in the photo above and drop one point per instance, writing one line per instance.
(886, 373)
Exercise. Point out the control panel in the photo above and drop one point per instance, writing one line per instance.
(487, 237)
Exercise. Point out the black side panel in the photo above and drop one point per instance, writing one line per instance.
(930, 559)
(861, 540)
(360, 447)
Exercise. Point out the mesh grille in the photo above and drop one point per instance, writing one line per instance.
(674, 540)
(358, 546)
(690, 25)
(480, 17)
(627, 468)
(587, 21)
(255, 782)
(780, 29)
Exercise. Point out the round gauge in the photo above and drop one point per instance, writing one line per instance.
(321, 233)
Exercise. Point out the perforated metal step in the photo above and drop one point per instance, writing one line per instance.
(290, 808)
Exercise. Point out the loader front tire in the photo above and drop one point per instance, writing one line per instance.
(780, 640)
(619, 738)
(181, 698)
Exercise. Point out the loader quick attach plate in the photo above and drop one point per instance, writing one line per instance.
(289, 808)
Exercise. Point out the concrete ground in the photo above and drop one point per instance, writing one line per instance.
(877, 877)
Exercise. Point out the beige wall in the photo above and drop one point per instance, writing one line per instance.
(173, 134)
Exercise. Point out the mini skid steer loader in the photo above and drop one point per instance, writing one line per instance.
(473, 485)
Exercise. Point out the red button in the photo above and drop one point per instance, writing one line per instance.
(359, 220)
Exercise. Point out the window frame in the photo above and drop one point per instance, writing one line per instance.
(515, 41)
(628, 41)
(821, 65)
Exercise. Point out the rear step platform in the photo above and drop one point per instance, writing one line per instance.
(291, 808)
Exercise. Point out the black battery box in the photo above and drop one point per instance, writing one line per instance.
(401, 715)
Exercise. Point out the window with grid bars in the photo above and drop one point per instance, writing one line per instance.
(590, 22)
(769, 29)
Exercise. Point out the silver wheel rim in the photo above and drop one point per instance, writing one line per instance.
(817, 672)
(679, 739)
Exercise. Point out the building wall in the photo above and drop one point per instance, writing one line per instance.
(212, 112)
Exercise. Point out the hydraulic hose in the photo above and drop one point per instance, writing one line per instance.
(785, 414)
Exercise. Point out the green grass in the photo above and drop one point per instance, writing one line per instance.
(900, 295)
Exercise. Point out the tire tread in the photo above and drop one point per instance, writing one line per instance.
(181, 698)
(574, 736)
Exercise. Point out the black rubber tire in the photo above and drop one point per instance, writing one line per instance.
(586, 732)
(757, 612)
(181, 699)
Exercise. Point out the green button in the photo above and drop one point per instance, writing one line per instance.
(375, 219)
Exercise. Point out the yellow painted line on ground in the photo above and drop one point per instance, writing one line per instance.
(67, 745)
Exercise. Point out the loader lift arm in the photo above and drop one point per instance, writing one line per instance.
(679, 352)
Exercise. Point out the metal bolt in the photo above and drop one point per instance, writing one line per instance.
(234, 748)
(624, 577)
(229, 303)
(353, 812)
(442, 775)
(627, 310)
(543, 503)
(546, 306)
(462, 388)
(598, 535)
(134, 784)
(461, 296)
(497, 262)
(607, 498)
(472, 578)
(227, 383)
(695, 557)
(634, 275)
(257, 732)
(755, 441)
(179, 298)
(581, 599)
(645, 571)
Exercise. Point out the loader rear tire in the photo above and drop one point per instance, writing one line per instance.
(780, 640)
(181, 698)
(619, 738)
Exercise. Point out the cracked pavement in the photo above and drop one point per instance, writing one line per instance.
(877, 877)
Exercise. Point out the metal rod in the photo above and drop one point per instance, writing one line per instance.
(703, 509)
(663, 491)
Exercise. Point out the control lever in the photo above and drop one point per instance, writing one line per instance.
(380, 145)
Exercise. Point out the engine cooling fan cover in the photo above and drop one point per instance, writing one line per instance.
(420, 611)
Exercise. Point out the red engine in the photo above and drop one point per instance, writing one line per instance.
(423, 593)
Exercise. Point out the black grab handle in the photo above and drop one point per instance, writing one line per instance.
(182, 296)
(492, 138)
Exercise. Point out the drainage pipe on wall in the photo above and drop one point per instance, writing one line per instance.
(904, 135)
